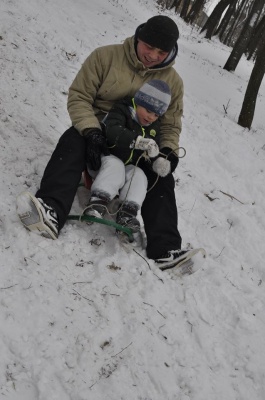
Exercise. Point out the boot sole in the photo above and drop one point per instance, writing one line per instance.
(29, 211)
(181, 260)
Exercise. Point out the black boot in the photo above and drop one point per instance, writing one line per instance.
(97, 206)
(127, 216)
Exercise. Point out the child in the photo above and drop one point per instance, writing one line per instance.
(131, 128)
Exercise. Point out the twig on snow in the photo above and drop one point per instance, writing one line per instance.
(142, 258)
(9, 287)
(226, 107)
(231, 197)
(83, 296)
(151, 305)
(122, 350)
(31, 259)
(148, 265)
(111, 294)
(193, 206)
(220, 252)
(161, 314)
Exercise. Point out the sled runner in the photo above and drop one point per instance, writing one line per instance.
(124, 231)
(88, 218)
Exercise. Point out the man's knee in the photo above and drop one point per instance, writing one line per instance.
(72, 142)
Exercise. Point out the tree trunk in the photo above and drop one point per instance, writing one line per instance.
(248, 108)
(220, 31)
(161, 3)
(176, 4)
(255, 38)
(194, 11)
(243, 39)
(230, 35)
(214, 18)
(185, 8)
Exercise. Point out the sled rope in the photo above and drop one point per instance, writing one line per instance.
(166, 157)
(144, 154)
(88, 218)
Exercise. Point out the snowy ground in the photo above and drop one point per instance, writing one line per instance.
(82, 317)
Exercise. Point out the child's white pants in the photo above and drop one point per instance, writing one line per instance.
(115, 178)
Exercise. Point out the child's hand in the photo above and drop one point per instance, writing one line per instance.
(149, 145)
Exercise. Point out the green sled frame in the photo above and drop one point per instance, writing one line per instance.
(88, 218)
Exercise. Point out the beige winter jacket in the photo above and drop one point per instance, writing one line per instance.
(113, 72)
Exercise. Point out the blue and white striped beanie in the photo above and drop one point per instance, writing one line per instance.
(155, 96)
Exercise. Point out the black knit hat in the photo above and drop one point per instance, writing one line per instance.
(160, 32)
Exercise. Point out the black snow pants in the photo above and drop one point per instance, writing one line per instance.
(62, 176)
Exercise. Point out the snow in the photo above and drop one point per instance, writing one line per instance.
(84, 317)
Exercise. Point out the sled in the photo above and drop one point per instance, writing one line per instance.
(87, 182)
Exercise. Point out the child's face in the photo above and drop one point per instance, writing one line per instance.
(145, 117)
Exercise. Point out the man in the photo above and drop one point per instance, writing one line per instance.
(107, 75)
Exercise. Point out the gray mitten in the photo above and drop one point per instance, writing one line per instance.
(161, 166)
(148, 145)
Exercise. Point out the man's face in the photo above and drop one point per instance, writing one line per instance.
(150, 56)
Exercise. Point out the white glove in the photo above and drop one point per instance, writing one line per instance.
(147, 144)
(162, 166)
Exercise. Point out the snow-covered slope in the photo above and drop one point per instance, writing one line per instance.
(83, 317)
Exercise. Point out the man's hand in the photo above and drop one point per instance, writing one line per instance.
(96, 145)
(148, 145)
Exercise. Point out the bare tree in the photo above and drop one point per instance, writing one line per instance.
(185, 8)
(240, 13)
(161, 3)
(195, 11)
(243, 39)
(255, 38)
(248, 108)
(165, 4)
(215, 17)
(176, 4)
(229, 23)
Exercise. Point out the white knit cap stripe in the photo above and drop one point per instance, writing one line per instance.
(155, 96)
